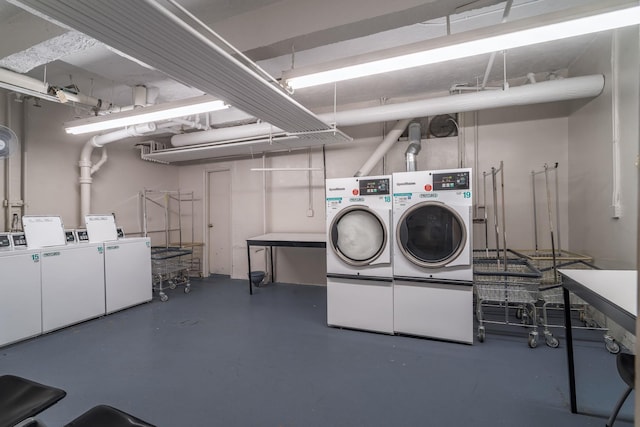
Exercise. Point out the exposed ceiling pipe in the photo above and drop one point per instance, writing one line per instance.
(87, 169)
(414, 147)
(382, 149)
(22, 81)
(548, 91)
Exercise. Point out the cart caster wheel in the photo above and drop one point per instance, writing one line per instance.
(164, 297)
(519, 313)
(612, 346)
(172, 284)
(590, 323)
(552, 342)
(533, 340)
(481, 334)
(187, 290)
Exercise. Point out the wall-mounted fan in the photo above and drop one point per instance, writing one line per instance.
(8, 142)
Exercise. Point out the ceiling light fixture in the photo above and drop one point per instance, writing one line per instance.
(511, 37)
(165, 111)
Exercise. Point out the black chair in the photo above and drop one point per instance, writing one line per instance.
(21, 399)
(627, 371)
(107, 416)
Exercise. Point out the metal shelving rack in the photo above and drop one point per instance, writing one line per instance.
(175, 205)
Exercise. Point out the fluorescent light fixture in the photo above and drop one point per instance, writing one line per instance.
(166, 111)
(507, 40)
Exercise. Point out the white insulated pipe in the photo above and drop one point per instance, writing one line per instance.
(382, 149)
(548, 91)
(86, 167)
(23, 81)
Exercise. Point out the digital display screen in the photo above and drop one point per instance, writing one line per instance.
(83, 236)
(451, 181)
(372, 187)
(4, 241)
(19, 240)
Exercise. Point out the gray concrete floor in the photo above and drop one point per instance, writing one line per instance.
(220, 357)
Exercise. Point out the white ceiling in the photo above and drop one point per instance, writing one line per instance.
(281, 34)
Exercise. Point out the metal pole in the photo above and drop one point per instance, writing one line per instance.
(551, 229)
(495, 213)
(535, 212)
(504, 220)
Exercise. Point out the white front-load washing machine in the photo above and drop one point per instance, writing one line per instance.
(433, 254)
(359, 271)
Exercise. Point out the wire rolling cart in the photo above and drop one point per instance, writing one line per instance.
(548, 261)
(511, 286)
(502, 278)
(170, 268)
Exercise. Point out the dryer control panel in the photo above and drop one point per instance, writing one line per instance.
(451, 181)
(374, 187)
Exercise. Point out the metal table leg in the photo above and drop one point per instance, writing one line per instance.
(249, 266)
(570, 364)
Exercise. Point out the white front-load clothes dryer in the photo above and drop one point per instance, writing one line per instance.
(359, 270)
(433, 254)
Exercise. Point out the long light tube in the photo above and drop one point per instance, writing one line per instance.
(545, 33)
(187, 107)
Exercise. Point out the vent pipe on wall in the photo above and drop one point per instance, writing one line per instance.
(384, 146)
(87, 169)
(414, 147)
(549, 91)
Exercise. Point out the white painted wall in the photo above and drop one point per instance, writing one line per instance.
(612, 242)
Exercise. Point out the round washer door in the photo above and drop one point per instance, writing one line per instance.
(358, 235)
(431, 234)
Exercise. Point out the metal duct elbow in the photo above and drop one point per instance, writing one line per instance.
(414, 146)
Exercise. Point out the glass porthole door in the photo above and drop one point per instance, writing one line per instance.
(431, 234)
(358, 235)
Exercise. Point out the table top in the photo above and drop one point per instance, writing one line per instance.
(614, 292)
(290, 238)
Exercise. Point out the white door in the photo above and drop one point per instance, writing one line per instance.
(219, 222)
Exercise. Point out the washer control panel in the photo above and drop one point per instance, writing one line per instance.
(19, 240)
(5, 241)
(83, 236)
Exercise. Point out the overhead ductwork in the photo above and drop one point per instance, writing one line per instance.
(382, 149)
(541, 92)
(414, 147)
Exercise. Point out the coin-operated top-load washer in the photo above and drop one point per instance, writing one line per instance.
(433, 264)
(20, 305)
(127, 263)
(433, 225)
(359, 271)
(72, 279)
